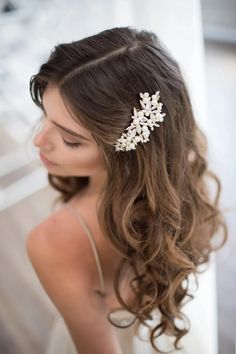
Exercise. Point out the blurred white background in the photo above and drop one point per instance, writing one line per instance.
(202, 36)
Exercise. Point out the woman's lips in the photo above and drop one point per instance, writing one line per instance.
(45, 160)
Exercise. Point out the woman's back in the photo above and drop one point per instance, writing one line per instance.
(67, 223)
(60, 340)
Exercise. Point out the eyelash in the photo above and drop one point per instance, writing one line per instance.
(71, 145)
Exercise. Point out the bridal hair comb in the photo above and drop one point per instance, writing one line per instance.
(138, 130)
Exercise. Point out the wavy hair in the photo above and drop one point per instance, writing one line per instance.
(156, 208)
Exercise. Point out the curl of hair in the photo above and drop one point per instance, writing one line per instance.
(155, 209)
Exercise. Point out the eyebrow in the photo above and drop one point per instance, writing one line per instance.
(67, 130)
(71, 132)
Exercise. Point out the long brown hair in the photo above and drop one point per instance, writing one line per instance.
(156, 208)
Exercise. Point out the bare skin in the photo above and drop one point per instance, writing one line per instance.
(110, 259)
(62, 257)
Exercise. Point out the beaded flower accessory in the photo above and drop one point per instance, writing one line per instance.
(138, 130)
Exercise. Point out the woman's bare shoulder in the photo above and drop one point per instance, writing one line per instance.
(52, 227)
(61, 237)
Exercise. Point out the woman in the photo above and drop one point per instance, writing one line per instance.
(121, 145)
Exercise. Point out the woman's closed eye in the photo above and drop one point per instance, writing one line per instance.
(71, 145)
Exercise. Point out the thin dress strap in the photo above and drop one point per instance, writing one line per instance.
(94, 248)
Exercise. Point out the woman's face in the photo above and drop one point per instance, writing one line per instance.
(70, 155)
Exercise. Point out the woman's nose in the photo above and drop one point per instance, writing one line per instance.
(42, 139)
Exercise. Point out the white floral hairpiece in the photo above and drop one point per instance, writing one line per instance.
(138, 130)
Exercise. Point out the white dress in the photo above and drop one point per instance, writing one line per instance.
(60, 340)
